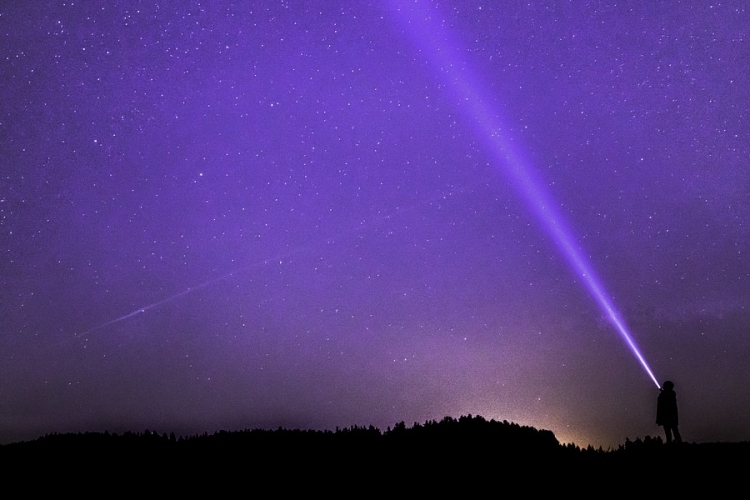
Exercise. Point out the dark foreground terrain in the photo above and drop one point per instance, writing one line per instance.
(451, 456)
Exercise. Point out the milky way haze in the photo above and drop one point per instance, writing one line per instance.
(259, 214)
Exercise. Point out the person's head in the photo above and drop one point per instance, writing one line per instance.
(668, 385)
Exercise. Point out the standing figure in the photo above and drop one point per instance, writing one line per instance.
(666, 412)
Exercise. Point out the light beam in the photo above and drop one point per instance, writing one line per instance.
(432, 35)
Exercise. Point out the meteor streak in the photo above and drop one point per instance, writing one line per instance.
(432, 36)
(189, 290)
(157, 304)
(381, 219)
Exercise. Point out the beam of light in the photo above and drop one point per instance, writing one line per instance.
(431, 33)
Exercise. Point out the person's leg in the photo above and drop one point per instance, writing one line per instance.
(668, 433)
(677, 436)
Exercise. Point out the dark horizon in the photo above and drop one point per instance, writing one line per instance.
(437, 427)
(469, 453)
(176, 432)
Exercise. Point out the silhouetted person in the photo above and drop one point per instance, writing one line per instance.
(666, 412)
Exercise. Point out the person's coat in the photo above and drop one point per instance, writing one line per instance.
(666, 408)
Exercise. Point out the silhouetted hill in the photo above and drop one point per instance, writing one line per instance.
(459, 453)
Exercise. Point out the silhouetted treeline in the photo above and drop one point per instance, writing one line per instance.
(452, 453)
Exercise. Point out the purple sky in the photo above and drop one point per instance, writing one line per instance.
(307, 201)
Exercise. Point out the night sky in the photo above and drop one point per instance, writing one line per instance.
(219, 215)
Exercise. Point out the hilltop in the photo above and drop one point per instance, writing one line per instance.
(469, 451)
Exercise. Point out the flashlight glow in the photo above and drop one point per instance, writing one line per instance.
(431, 34)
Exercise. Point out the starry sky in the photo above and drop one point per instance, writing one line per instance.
(229, 215)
